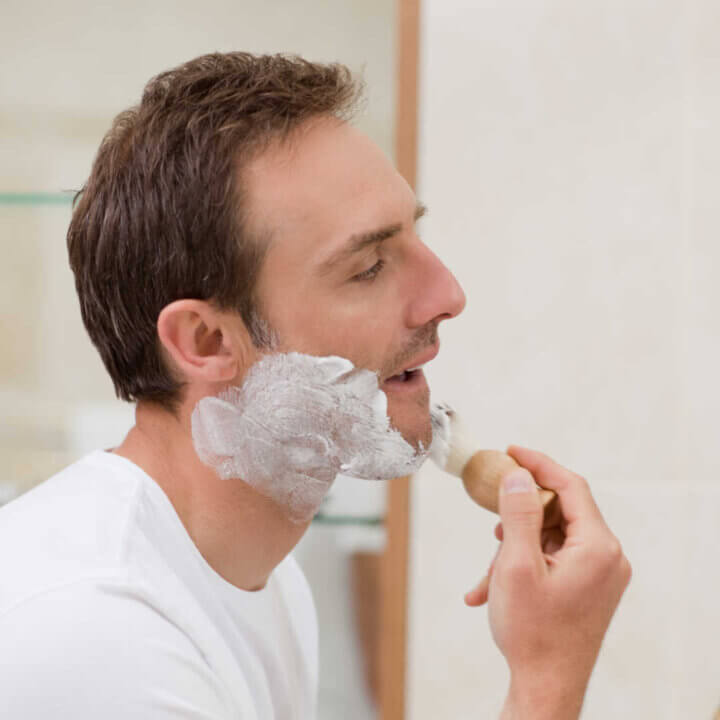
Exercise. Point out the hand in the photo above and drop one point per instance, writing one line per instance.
(551, 593)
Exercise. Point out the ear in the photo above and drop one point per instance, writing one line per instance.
(199, 340)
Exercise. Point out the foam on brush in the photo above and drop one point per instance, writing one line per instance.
(451, 445)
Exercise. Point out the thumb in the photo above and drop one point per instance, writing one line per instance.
(521, 513)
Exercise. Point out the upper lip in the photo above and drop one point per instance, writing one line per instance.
(426, 357)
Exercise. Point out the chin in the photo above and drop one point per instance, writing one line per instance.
(412, 422)
(424, 437)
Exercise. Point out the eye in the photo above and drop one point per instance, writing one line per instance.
(370, 273)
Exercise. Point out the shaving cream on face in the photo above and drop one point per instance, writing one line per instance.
(298, 421)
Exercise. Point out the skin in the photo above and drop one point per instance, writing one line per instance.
(551, 593)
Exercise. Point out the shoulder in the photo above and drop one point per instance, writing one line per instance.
(78, 524)
(101, 650)
(77, 495)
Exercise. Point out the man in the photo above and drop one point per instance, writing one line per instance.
(236, 213)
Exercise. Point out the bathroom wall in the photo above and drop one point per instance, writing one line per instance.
(570, 159)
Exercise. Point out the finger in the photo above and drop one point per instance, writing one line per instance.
(521, 513)
(576, 500)
(478, 595)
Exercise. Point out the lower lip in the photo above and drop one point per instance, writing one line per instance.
(415, 382)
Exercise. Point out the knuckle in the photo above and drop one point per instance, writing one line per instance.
(614, 551)
(609, 558)
(564, 479)
(596, 551)
(578, 481)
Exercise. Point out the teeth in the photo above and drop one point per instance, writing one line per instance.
(414, 368)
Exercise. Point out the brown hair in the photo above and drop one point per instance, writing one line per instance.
(162, 215)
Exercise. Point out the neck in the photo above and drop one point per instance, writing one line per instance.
(242, 534)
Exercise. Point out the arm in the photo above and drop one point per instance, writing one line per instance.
(551, 593)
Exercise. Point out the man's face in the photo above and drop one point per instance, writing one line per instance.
(346, 273)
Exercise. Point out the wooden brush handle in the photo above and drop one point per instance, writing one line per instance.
(483, 474)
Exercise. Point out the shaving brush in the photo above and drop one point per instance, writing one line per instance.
(481, 471)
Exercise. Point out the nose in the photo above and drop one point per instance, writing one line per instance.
(437, 295)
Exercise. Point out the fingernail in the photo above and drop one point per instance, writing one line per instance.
(518, 481)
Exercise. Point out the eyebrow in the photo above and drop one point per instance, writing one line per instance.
(360, 241)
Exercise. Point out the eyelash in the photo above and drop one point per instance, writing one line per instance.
(370, 273)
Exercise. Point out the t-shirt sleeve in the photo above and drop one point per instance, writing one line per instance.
(79, 652)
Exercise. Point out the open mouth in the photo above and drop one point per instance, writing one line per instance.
(405, 377)
(413, 377)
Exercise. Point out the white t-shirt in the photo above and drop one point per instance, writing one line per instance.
(108, 610)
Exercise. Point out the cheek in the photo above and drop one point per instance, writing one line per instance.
(364, 336)
(362, 323)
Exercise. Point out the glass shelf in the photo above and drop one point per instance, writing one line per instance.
(35, 199)
(365, 521)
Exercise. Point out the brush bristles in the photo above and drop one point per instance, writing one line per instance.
(440, 446)
(462, 447)
(451, 447)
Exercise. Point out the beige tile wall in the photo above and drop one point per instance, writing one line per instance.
(570, 159)
(20, 296)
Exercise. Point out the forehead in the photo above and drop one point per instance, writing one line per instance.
(328, 181)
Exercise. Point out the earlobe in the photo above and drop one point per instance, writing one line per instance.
(195, 337)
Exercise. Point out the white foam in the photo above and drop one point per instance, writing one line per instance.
(295, 423)
(442, 433)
